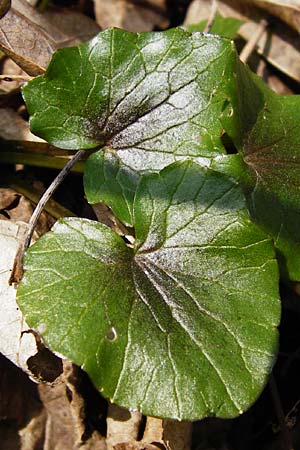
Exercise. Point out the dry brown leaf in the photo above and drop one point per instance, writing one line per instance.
(160, 4)
(122, 426)
(154, 430)
(76, 27)
(275, 83)
(17, 208)
(24, 43)
(123, 430)
(15, 342)
(129, 15)
(17, 347)
(59, 432)
(32, 434)
(20, 409)
(286, 10)
(66, 410)
(177, 435)
(14, 128)
(4, 7)
(170, 434)
(280, 47)
(9, 67)
(30, 38)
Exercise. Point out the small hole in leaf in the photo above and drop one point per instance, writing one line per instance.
(230, 112)
(129, 240)
(228, 144)
(44, 365)
(111, 334)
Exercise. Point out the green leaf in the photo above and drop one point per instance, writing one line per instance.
(224, 26)
(265, 128)
(107, 180)
(152, 97)
(182, 326)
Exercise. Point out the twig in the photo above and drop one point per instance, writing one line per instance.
(15, 77)
(17, 271)
(286, 438)
(251, 44)
(212, 17)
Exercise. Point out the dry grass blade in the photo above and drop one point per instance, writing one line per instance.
(279, 45)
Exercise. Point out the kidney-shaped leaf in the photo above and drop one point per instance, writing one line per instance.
(153, 97)
(183, 325)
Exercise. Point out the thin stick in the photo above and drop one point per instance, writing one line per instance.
(286, 438)
(17, 271)
(15, 77)
(252, 43)
(212, 17)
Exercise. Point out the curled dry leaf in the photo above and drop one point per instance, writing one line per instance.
(4, 7)
(68, 421)
(17, 346)
(13, 127)
(273, 81)
(122, 426)
(18, 208)
(279, 46)
(30, 38)
(129, 16)
(33, 61)
(10, 68)
(286, 10)
(76, 27)
(16, 343)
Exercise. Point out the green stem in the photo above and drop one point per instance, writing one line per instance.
(38, 154)
(39, 160)
(17, 272)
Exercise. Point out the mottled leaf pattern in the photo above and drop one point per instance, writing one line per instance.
(152, 97)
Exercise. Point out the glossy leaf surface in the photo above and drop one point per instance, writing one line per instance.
(265, 128)
(108, 180)
(182, 326)
(152, 97)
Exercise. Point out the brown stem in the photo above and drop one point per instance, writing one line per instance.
(212, 17)
(251, 44)
(17, 271)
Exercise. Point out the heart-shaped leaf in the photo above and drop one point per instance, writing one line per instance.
(153, 97)
(182, 326)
